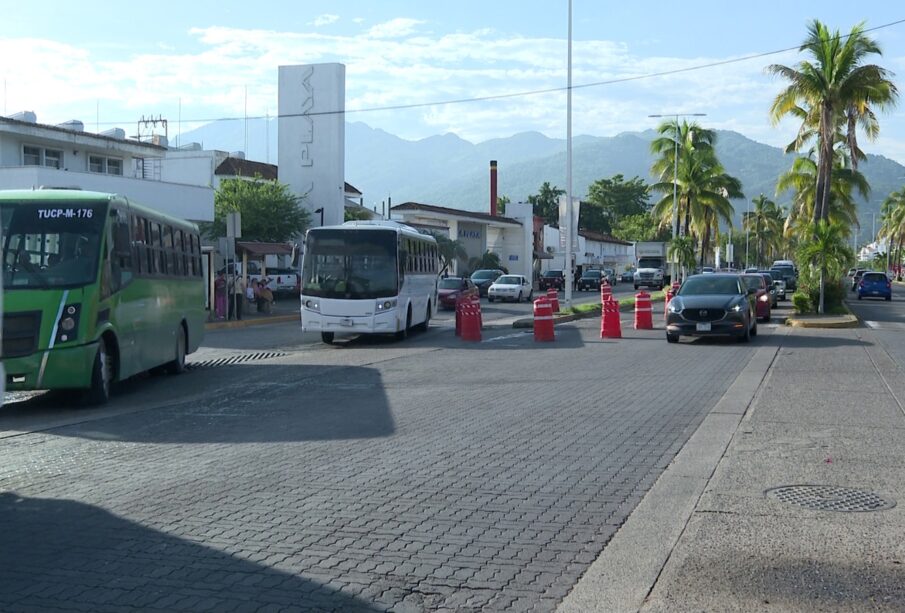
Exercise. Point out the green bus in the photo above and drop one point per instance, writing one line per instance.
(95, 289)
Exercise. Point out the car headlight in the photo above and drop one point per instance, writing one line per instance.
(312, 305)
(675, 306)
(386, 305)
(737, 308)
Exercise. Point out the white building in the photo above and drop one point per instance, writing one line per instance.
(593, 250)
(509, 237)
(34, 155)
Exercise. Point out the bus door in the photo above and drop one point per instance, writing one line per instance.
(118, 304)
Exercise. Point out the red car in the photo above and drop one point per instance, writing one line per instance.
(452, 288)
(762, 294)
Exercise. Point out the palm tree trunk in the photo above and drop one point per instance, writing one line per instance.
(825, 164)
(822, 286)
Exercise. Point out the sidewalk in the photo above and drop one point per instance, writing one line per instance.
(812, 408)
(286, 308)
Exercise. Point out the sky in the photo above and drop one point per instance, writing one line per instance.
(109, 64)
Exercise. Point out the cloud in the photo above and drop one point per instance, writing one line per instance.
(324, 20)
(396, 63)
(394, 28)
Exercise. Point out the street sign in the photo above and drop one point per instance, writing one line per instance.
(234, 225)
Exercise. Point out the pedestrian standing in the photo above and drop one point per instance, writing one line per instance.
(220, 296)
(237, 297)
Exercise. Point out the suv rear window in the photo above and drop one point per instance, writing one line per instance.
(553, 273)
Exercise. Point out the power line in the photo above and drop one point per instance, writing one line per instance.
(535, 92)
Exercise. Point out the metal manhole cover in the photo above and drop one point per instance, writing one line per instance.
(236, 359)
(830, 498)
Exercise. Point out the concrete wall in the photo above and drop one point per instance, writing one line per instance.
(190, 167)
(312, 136)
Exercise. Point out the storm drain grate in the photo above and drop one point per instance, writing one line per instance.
(830, 498)
(236, 359)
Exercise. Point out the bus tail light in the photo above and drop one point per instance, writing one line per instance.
(68, 326)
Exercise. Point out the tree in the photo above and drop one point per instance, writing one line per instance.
(501, 203)
(610, 200)
(641, 227)
(450, 250)
(270, 212)
(358, 213)
(827, 251)
(836, 90)
(764, 225)
(681, 251)
(545, 203)
(893, 227)
(701, 185)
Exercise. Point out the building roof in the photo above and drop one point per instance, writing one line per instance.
(258, 248)
(70, 132)
(602, 238)
(442, 210)
(350, 189)
(237, 167)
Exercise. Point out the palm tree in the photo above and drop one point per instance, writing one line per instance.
(702, 186)
(450, 250)
(836, 89)
(681, 251)
(765, 224)
(828, 251)
(488, 259)
(892, 228)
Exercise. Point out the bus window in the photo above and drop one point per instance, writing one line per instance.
(169, 267)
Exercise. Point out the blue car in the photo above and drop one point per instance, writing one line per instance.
(874, 285)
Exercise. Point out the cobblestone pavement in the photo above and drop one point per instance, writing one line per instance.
(424, 475)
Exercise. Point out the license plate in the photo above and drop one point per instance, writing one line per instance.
(705, 327)
(345, 321)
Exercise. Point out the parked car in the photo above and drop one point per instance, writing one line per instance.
(875, 285)
(590, 280)
(628, 276)
(714, 304)
(762, 301)
(856, 278)
(484, 277)
(283, 280)
(450, 289)
(552, 278)
(511, 287)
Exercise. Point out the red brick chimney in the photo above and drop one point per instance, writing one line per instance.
(493, 187)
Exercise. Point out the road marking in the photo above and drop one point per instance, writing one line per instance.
(873, 324)
(506, 337)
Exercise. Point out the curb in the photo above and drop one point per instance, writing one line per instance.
(837, 321)
(244, 323)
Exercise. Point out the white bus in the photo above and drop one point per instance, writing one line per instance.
(368, 277)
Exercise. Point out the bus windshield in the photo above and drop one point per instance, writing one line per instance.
(50, 244)
(350, 264)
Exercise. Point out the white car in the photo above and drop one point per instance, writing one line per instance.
(510, 287)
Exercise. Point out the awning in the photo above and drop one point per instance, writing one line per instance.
(258, 249)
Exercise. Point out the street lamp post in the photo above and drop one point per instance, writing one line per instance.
(321, 211)
(747, 230)
(675, 182)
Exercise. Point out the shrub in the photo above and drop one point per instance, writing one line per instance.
(801, 302)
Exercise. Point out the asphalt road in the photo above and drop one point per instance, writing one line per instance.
(283, 474)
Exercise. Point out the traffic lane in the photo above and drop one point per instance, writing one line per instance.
(886, 318)
(422, 480)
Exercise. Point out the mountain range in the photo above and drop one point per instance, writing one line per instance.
(446, 170)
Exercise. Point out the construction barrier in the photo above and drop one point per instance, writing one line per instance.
(477, 303)
(471, 321)
(606, 292)
(460, 302)
(644, 318)
(610, 326)
(553, 297)
(543, 320)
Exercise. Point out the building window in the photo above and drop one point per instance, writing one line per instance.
(38, 156)
(105, 165)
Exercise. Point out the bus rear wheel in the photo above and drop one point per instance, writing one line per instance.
(327, 337)
(101, 376)
(177, 366)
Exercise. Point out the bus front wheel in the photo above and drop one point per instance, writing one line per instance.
(327, 337)
(401, 335)
(101, 376)
(177, 366)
